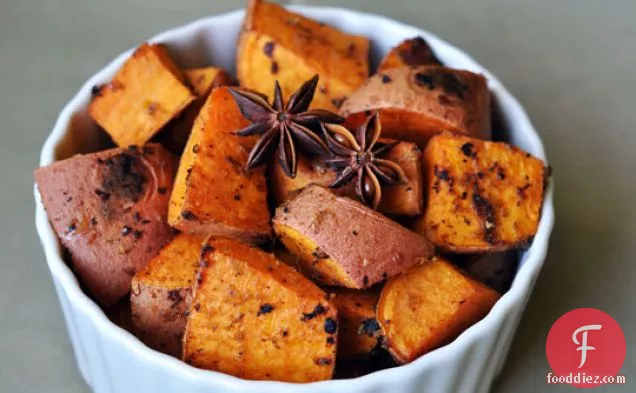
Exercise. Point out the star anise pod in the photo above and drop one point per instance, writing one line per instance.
(358, 157)
(285, 126)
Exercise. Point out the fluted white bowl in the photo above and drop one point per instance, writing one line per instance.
(112, 360)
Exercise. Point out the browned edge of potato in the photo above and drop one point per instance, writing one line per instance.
(410, 52)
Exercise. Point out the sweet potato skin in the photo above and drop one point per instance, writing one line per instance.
(214, 194)
(410, 52)
(161, 294)
(202, 80)
(257, 318)
(403, 199)
(482, 196)
(109, 210)
(429, 306)
(277, 44)
(345, 243)
(416, 103)
(145, 94)
(359, 332)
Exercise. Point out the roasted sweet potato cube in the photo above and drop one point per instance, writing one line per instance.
(359, 332)
(202, 80)
(402, 199)
(482, 196)
(214, 194)
(344, 243)
(161, 294)
(109, 210)
(410, 52)
(277, 44)
(416, 103)
(145, 94)
(256, 318)
(429, 306)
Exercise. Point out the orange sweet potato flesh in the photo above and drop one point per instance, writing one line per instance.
(344, 243)
(109, 210)
(403, 199)
(256, 318)
(410, 52)
(359, 332)
(482, 196)
(214, 194)
(162, 292)
(202, 80)
(145, 94)
(429, 306)
(416, 103)
(277, 44)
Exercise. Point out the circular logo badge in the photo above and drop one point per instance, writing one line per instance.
(584, 347)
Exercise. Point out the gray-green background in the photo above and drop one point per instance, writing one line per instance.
(570, 62)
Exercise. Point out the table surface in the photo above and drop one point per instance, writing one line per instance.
(570, 63)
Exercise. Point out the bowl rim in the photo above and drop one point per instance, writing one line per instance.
(516, 295)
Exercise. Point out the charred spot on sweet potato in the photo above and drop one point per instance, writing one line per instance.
(96, 90)
(486, 213)
(103, 195)
(174, 296)
(205, 250)
(369, 327)
(265, 308)
(123, 179)
(467, 149)
(331, 326)
(319, 310)
(323, 361)
(452, 85)
(441, 174)
(417, 53)
(423, 79)
(188, 215)
(268, 48)
(319, 254)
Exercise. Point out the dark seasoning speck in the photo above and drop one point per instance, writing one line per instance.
(265, 308)
(331, 326)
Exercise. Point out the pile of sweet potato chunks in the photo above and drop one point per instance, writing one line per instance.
(267, 277)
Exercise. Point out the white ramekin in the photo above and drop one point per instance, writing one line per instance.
(111, 360)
